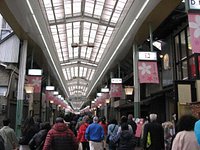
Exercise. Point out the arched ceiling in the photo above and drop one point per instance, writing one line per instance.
(82, 39)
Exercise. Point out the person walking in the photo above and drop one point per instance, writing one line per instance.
(95, 135)
(112, 132)
(9, 136)
(127, 140)
(132, 123)
(105, 128)
(38, 139)
(153, 137)
(185, 138)
(81, 134)
(60, 137)
(28, 131)
(124, 119)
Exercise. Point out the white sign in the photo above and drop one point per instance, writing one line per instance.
(116, 80)
(194, 4)
(147, 56)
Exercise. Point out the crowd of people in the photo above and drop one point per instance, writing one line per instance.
(96, 133)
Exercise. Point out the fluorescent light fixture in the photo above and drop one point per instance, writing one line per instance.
(99, 94)
(50, 88)
(4, 65)
(104, 90)
(35, 72)
(55, 93)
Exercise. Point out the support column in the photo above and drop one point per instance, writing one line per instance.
(136, 83)
(112, 109)
(20, 89)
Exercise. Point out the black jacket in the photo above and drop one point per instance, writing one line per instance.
(156, 134)
(127, 141)
(133, 125)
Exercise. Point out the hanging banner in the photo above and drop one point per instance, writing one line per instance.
(115, 90)
(35, 81)
(194, 24)
(148, 72)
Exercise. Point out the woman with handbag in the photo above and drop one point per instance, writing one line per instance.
(28, 131)
(112, 132)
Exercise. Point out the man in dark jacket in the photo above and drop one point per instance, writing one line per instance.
(153, 138)
(60, 137)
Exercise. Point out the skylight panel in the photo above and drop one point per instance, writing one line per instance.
(88, 54)
(115, 17)
(84, 72)
(72, 72)
(80, 72)
(88, 74)
(50, 15)
(47, 3)
(120, 5)
(83, 51)
(59, 12)
(76, 71)
(67, 6)
(76, 6)
(91, 75)
(98, 8)
(57, 44)
(76, 52)
(89, 6)
(56, 39)
(70, 53)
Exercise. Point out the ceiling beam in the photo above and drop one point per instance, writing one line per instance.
(81, 19)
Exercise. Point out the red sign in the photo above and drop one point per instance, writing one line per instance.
(148, 72)
(35, 81)
(194, 27)
(115, 90)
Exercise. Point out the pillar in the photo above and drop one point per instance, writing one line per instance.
(136, 83)
(20, 89)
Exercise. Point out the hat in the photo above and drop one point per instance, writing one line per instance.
(59, 120)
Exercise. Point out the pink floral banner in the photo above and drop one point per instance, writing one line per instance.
(115, 90)
(148, 72)
(194, 27)
(36, 82)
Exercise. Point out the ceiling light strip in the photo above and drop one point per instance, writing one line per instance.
(37, 24)
(132, 24)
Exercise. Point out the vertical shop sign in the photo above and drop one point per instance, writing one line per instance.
(36, 82)
(148, 72)
(115, 90)
(194, 27)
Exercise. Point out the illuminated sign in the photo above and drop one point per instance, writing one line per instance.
(194, 4)
(116, 80)
(147, 56)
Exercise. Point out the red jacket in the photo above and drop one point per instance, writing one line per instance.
(60, 137)
(105, 127)
(81, 132)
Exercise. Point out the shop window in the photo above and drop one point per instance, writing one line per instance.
(183, 52)
(185, 70)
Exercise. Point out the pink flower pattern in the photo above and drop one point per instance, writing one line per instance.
(194, 27)
(148, 72)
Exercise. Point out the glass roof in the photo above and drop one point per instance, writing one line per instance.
(81, 31)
